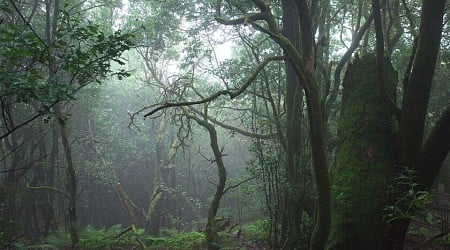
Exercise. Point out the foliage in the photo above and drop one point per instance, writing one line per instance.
(114, 237)
(258, 230)
(409, 202)
(82, 52)
(60, 238)
(6, 234)
(178, 240)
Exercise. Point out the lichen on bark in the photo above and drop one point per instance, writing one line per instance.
(363, 168)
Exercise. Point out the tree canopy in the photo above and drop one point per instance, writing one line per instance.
(292, 124)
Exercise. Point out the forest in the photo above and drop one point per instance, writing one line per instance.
(225, 124)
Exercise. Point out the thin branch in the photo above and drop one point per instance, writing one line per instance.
(237, 184)
(39, 114)
(410, 64)
(376, 8)
(27, 23)
(52, 189)
(231, 94)
(204, 157)
(345, 58)
(235, 129)
(207, 178)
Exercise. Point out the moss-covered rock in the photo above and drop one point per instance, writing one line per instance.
(363, 169)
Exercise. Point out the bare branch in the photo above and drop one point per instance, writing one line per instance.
(233, 128)
(207, 178)
(376, 8)
(230, 93)
(52, 189)
(237, 184)
(345, 58)
(34, 117)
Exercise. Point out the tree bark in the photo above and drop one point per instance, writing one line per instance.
(211, 226)
(294, 110)
(409, 146)
(156, 205)
(363, 168)
(71, 181)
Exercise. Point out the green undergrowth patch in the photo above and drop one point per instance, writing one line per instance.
(118, 237)
(177, 240)
(257, 231)
(115, 237)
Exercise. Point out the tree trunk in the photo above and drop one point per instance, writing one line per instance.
(211, 227)
(9, 191)
(156, 206)
(411, 151)
(71, 181)
(294, 110)
(364, 167)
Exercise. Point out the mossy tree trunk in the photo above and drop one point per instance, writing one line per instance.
(156, 205)
(364, 163)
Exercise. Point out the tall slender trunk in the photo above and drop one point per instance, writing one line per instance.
(294, 110)
(9, 189)
(411, 152)
(71, 184)
(156, 204)
(211, 227)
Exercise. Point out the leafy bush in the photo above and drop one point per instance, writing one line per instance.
(258, 230)
(58, 239)
(409, 202)
(8, 232)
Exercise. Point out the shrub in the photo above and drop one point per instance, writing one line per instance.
(258, 230)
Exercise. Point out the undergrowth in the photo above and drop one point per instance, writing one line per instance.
(117, 237)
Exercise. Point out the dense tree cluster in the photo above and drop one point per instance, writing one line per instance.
(301, 124)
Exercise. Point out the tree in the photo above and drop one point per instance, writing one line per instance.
(67, 55)
(303, 61)
(411, 150)
(363, 166)
(413, 110)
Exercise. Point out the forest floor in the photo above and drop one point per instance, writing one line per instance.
(432, 232)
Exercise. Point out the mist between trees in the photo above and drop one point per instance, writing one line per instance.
(224, 124)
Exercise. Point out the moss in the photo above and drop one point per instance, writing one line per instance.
(154, 212)
(154, 204)
(360, 177)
